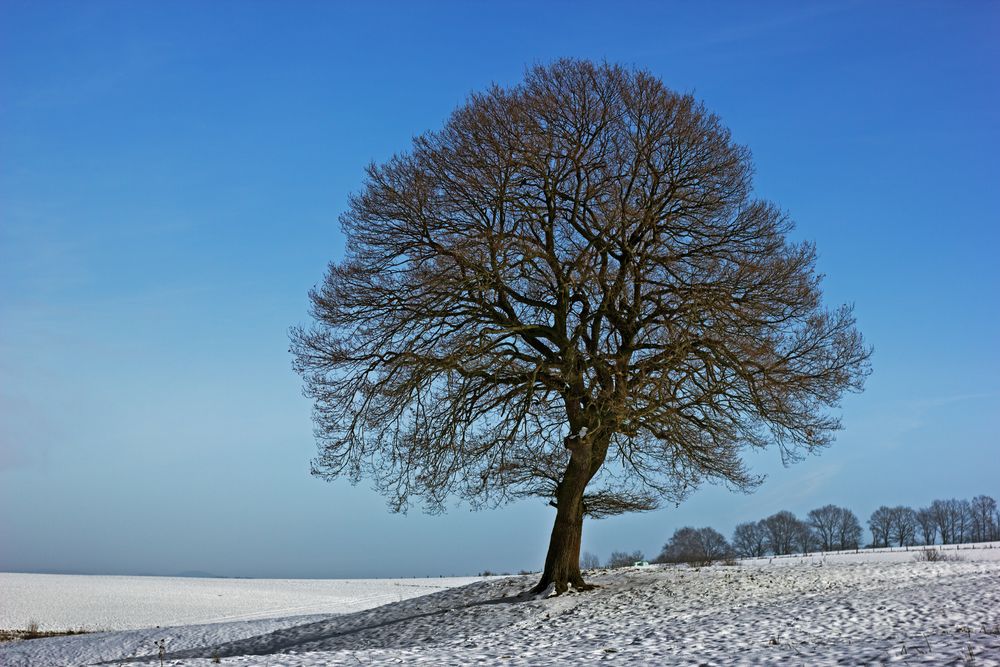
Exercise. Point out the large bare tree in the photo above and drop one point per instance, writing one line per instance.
(570, 292)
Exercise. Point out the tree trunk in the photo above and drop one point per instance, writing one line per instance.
(562, 563)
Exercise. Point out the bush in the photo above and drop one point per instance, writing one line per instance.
(934, 556)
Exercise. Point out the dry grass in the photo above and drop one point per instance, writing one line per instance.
(931, 555)
(32, 631)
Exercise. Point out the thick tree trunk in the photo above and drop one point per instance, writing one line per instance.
(562, 563)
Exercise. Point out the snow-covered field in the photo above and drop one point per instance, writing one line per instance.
(854, 609)
(63, 602)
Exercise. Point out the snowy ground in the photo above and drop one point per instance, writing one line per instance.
(63, 602)
(864, 609)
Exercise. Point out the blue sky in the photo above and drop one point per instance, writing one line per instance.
(170, 179)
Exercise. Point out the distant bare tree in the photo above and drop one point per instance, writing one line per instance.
(570, 292)
(981, 511)
(805, 538)
(782, 532)
(624, 559)
(835, 527)
(824, 521)
(699, 546)
(589, 561)
(943, 519)
(962, 512)
(953, 519)
(927, 525)
(848, 530)
(902, 526)
(750, 539)
(880, 524)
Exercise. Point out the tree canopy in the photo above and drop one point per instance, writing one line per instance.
(697, 546)
(569, 291)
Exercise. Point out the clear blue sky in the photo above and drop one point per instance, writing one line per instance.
(170, 179)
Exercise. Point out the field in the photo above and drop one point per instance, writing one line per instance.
(865, 608)
(60, 602)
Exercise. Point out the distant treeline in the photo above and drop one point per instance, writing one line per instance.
(827, 528)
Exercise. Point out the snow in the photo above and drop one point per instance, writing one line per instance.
(61, 602)
(850, 608)
(978, 551)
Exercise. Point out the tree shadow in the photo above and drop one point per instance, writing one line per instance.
(357, 631)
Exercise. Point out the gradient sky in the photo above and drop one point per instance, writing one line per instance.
(170, 179)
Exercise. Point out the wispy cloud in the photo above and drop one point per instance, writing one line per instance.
(803, 488)
(766, 24)
(898, 419)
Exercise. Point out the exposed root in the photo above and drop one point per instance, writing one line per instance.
(541, 590)
(544, 589)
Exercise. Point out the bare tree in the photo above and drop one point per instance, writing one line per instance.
(927, 524)
(835, 528)
(750, 539)
(700, 546)
(805, 538)
(624, 559)
(825, 521)
(880, 524)
(943, 519)
(953, 518)
(981, 511)
(962, 513)
(589, 561)
(902, 525)
(570, 292)
(848, 530)
(782, 532)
